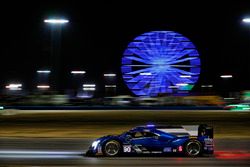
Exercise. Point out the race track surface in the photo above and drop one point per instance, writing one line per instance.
(70, 152)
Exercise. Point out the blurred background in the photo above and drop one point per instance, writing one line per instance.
(79, 61)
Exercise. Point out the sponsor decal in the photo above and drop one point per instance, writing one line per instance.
(127, 148)
(137, 149)
(167, 149)
(99, 149)
(156, 152)
(180, 148)
(208, 141)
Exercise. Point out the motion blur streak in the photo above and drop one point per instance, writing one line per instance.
(232, 154)
(39, 154)
(29, 156)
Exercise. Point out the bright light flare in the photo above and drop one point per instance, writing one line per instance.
(109, 75)
(185, 76)
(89, 85)
(89, 89)
(14, 86)
(226, 76)
(78, 72)
(56, 21)
(246, 20)
(43, 86)
(43, 71)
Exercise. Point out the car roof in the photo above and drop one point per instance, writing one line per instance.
(157, 127)
(176, 130)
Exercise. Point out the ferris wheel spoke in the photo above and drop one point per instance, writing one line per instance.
(180, 54)
(139, 78)
(185, 72)
(140, 71)
(141, 53)
(138, 59)
(142, 83)
(181, 80)
(188, 66)
(183, 60)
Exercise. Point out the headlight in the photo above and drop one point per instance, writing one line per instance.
(95, 144)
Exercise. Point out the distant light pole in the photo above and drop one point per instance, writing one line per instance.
(42, 78)
(246, 20)
(77, 81)
(207, 88)
(110, 84)
(226, 86)
(89, 90)
(56, 28)
(14, 88)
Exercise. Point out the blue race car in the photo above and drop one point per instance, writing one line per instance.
(188, 140)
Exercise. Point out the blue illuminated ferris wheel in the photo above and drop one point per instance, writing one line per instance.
(159, 62)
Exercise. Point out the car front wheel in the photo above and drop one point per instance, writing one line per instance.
(112, 148)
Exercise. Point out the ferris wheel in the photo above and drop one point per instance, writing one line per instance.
(160, 62)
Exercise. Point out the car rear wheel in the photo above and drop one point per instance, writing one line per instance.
(112, 148)
(193, 148)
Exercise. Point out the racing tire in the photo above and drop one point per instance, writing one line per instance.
(193, 148)
(112, 148)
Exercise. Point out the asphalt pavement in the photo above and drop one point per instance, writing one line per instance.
(70, 152)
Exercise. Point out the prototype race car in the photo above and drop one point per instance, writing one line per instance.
(188, 140)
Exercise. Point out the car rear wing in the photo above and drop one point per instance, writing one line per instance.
(189, 130)
(205, 130)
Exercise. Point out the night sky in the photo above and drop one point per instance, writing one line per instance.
(99, 32)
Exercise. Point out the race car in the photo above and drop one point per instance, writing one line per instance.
(186, 140)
